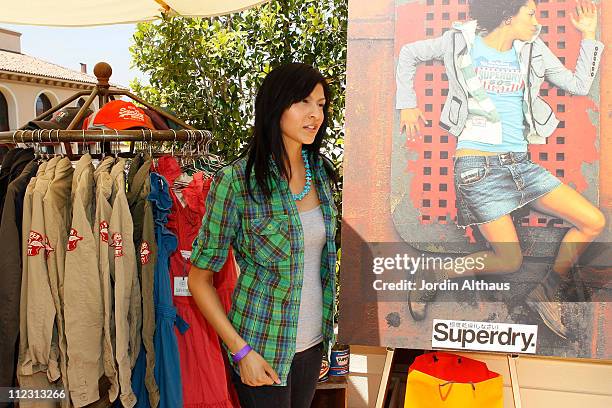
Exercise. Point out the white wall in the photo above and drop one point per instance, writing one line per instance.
(21, 98)
(544, 382)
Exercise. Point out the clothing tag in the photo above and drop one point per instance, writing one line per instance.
(186, 254)
(179, 195)
(180, 286)
(479, 121)
(478, 129)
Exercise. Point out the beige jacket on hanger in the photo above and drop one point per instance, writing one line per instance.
(23, 301)
(104, 189)
(57, 209)
(146, 257)
(83, 306)
(31, 380)
(42, 349)
(123, 264)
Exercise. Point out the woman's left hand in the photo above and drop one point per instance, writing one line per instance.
(586, 18)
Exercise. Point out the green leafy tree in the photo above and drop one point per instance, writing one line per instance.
(207, 70)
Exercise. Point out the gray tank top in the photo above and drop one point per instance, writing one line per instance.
(310, 321)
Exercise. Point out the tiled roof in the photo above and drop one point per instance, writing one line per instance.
(25, 64)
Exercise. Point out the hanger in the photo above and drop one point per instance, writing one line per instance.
(102, 151)
(213, 162)
(38, 146)
(27, 144)
(173, 143)
(209, 163)
(85, 145)
(60, 144)
(35, 146)
(194, 160)
(143, 143)
(151, 149)
(36, 135)
(22, 141)
(117, 145)
(14, 141)
(187, 161)
(42, 136)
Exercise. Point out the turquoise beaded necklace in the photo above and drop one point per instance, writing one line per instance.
(300, 196)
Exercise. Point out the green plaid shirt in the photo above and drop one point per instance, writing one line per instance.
(268, 244)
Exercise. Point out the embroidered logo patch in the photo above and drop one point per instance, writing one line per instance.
(144, 252)
(35, 243)
(73, 239)
(104, 230)
(117, 243)
(131, 113)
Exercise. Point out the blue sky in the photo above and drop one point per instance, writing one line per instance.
(69, 47)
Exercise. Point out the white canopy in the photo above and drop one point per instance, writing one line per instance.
(78, 13)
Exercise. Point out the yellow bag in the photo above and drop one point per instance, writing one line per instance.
(443, 380)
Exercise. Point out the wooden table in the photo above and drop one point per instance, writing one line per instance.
(331, 393)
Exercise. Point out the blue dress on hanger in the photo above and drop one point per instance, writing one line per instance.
(167, 362)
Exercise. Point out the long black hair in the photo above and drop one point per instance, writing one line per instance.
(281, 88)
(490, 14)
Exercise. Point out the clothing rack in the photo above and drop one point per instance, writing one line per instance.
(105, 93)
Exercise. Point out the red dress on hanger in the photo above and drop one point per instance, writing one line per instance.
(203, 366)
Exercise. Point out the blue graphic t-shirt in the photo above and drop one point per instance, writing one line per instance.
(500, 75)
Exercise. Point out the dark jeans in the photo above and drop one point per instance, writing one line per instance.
(300, 388)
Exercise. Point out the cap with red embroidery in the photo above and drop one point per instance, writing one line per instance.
(60, 119)
(118, 115)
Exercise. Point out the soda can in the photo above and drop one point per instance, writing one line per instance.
(324, 372)
(339, 361)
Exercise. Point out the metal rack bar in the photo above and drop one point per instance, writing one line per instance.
(145, 135)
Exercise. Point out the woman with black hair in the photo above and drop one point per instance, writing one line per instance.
(275, 208)
(496, 65)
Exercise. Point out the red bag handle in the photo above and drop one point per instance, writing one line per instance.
(452, 368)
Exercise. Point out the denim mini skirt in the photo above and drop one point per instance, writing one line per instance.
(489, 187)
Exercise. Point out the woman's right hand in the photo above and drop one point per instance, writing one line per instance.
(255, 371)
(409, 120)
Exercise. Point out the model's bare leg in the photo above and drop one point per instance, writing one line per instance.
(587, 220)
(504, 257)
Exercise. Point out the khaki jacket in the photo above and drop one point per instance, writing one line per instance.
(123, 261)
(83, 306)
(104, 189)
(146, 256)
(57, 209)
(42, 353)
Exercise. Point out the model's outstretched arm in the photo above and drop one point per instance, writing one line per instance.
(578, 82)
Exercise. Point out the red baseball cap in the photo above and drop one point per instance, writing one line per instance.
(118, 115)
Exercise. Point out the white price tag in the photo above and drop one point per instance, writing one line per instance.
(479, 121)
(186, 254)
(180, 286)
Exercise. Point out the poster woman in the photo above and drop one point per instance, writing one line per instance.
(496, 65)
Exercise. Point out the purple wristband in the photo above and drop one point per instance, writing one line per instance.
(241, 354)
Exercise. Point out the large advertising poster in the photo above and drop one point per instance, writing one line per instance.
(477, 179)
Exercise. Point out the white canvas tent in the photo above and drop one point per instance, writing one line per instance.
(79, 13)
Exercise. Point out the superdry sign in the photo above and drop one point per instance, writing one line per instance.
(484, 336)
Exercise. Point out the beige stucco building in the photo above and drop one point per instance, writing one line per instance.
(29, 86)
